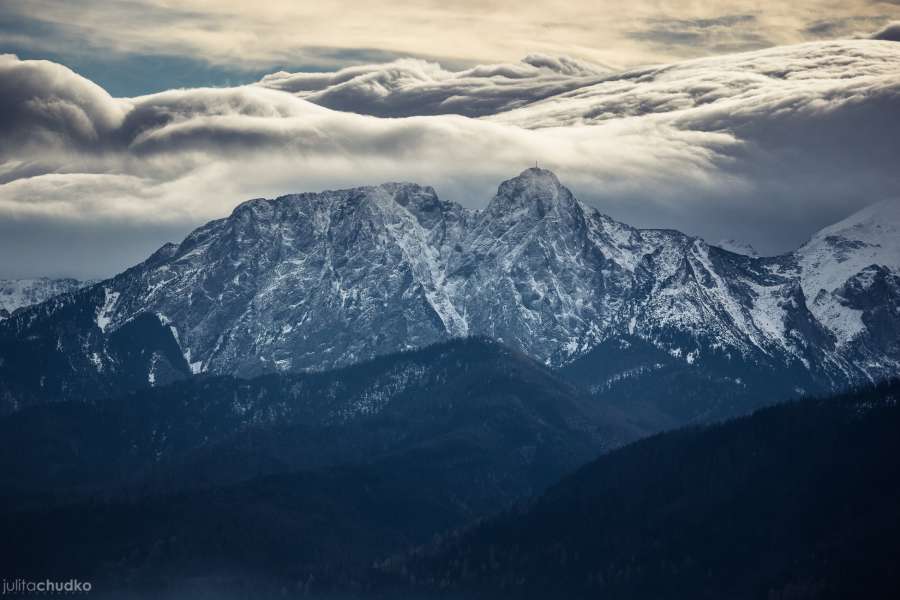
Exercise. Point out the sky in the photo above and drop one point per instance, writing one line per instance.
(125, 124)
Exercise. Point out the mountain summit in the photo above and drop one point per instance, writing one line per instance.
(536, 191)
(316, 281)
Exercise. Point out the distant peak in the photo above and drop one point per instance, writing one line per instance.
(406, 187)
(737, 247)
(873, 223)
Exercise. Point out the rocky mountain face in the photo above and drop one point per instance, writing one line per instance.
(317, 281)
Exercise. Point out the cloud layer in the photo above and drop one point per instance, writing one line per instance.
(411, 87)
(260, 35)
(764, 147)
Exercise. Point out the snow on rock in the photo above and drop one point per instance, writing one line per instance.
(316, 281)
(870, 237)
(106, 311)
(18, 293)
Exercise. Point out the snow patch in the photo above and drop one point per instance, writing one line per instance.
(151, 373)
(107, 311)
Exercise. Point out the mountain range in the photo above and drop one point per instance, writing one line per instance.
(289, 284)
(19, 293)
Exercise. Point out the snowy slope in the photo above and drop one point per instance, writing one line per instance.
(304, 281)
(850, 273)
(869, 238)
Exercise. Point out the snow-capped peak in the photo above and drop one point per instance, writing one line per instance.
(877, 226)
(838, 253)
(870, 236)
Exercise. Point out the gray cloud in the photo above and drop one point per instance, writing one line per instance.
(888, 33)
(253, 36)
(764, 147)
(44, 103)
(66, 248)
(848, 27)
(750, 85)
(416, 87)
(726, 33)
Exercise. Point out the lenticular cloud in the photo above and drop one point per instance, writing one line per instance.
(411, 87)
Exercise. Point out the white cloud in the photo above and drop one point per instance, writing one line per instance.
(721, 91)
(44, 103)
(416, 87)
(763, 147)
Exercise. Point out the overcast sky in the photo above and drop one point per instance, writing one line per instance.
(765, 146)
(231, 38)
